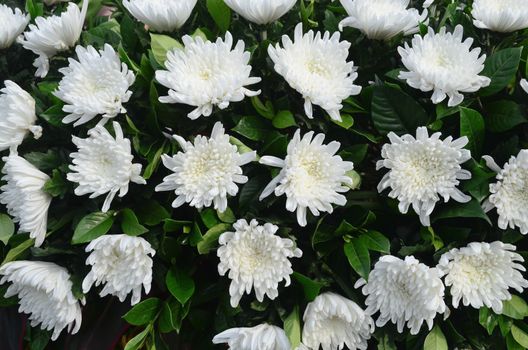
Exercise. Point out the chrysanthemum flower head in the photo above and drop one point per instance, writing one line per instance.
(95, 84)
(510, 193)
(261, 12)
(333, 322)
(45, 293)
(261, 337)
(103, 165)
(205, 172)
(54, 34)
(500, 16)
(445, 64)
(17, 116)
(315, 65)
(256, 259)
(206, 74)
(405, 292)
(122, 263)
(161, 15)
(423, 170)
(24, 197)
(382, 19)
(312, 176)
(13, 24)
(481, 274)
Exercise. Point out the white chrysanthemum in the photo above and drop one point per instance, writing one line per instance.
(261, 337)
(510, 193)
(261, 12)
(423, 170)
(382, 19)
(54, 34)
(103, 164)
(122, 263)
(481, 274)
(206, 172)
(206, 74)
(316, 66)
(45, 293)
(161, 15)
(17, 116)
(13, 24)
(24, 197)
(312, 176)
(404, 292)
(332, 321)
(95, 84)
(256, 259)
(445, 64)
(500, 16)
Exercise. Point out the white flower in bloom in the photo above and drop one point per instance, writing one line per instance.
(122, 263)
(103, 164)
(445, 64)
(312, 176)
(316, 66)
(24, 197)
(332, 321)
(510, 193)
(17, 116)
(54, 34)
(255, 258)
(404, 292)
(423, 170)
(261, 337)
(500, 16)
(261, 12)
(481, 274)
(206, 172)
(161, 15)
(382, 19)
(13, 24)
(44, 290)
(206, 74)
(95, 84)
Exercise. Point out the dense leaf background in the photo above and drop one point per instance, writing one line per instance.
(189, 302)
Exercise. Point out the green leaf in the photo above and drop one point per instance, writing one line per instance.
(137, 342)
(210, 238)
(501, 67)
(144, 312)
(471, 209)
(503, 116)
(266, 110)
(34, 9)
(7, 228)
(226, 216)
(161, 44)
(283, 120)
(311, 288)
(252, 127)
(209, 218)
(220, 13)
(39, 338)
(520, 336)
(488, 319)
(153, 164)
(358, 256)
(44, 161)
(57, 186)
(172, 315)
(435, 340)
(376, 241)
(347, 121)
(292, 327)
(515, 308)
(18, 250)
(53, 115)
(511, 344)
(92, 226)
(151, 213)
(472, 126)
(393, 110)
(180, 285)
(130, 224)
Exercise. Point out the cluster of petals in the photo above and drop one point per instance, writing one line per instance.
(261, 337)
(423, 170)
(13, 24)
(204, 74)
(261, 12)
(500, 16)
(312, 176)
(316, 66)
(443, 63)
(256, 259)
(161, 15)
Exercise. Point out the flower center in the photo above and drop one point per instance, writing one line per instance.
(317, 67)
